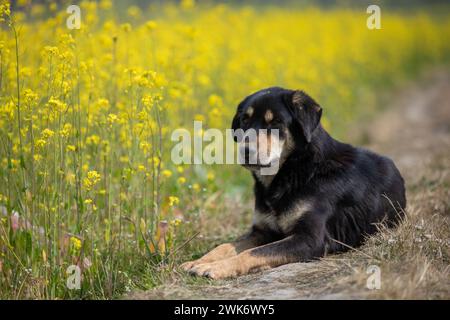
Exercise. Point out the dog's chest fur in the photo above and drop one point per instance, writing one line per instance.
(283, 222)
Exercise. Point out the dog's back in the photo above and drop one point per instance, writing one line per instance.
(374, 193)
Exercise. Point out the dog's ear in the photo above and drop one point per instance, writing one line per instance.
(306, 112)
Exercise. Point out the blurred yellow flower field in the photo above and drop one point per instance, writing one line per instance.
(86, 117)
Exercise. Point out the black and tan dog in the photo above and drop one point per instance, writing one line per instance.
(325, 197)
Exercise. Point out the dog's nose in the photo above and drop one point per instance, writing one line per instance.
(249, 154)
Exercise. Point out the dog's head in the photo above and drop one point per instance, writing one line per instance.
(270, 124)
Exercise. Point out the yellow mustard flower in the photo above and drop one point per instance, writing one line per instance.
(76, 243)
(173, 201)
(167, 173)
(93, 177)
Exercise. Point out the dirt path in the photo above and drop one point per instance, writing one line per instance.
(415, 132)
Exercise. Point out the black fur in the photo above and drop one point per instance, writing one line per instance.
(351, 189)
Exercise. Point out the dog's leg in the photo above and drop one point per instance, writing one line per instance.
(304, 246)
(253, 239)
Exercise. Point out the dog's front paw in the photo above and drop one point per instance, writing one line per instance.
(188, 265)
(214, 270)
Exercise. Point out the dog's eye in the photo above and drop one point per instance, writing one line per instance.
(276, 121)
(245, 118)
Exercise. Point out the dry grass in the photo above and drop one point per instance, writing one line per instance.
(414, 258)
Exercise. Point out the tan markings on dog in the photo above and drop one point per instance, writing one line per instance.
(269, 150)
(246, 262)
(277, 149)
(265, 220)
(287, 220)
(221, 252)
(250, 111)
(268, 116)
(264, 142)
(284, 222)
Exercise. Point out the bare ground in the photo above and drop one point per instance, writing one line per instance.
(413, 259)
